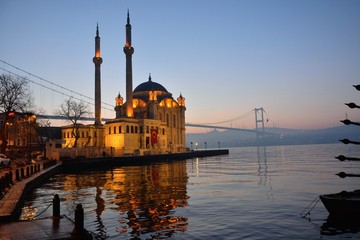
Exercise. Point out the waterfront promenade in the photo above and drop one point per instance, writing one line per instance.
(46, 228)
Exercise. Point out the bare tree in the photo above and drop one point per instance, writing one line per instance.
(73, 111)
(15, 96)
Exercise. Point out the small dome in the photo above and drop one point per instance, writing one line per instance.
(150, 86)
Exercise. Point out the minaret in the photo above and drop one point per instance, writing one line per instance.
(128, 50)
(97, 61)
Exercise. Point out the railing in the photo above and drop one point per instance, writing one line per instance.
(10, 177)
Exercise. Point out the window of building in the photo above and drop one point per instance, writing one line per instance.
(136, 129)
(68, 134)
(82, 134)
(114, 129)
(163, 131)
(119, 129)
(147, 129)
(132, 129)
(174, 121)
(109, 130)
(95, 133)
(141, 129)
(64, 134)
(127, 129)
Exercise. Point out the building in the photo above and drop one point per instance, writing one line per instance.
(21, 137)
(151, 121)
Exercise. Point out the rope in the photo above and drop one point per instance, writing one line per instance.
(68, 218)
(36, 216)
(309, 208)
(97, 236)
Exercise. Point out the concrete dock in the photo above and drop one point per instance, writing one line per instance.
(44, 228)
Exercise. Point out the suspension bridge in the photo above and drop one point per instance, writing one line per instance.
(258, 114)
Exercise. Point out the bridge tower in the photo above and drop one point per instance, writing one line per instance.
(259, 119)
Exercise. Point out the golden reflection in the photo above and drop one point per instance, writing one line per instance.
(145, 197)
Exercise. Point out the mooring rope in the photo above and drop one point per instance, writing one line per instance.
(97, 236)
(36, 216)
(68, 218)
(309, 208)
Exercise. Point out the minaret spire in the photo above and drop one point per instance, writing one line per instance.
(128, 17)
(97, 61)
(128, 50)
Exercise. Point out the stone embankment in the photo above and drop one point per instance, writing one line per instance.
(109, 161)
(17, 181)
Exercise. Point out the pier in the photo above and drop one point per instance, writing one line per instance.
(139, 160)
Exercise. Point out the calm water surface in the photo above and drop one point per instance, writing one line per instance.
(253, 193)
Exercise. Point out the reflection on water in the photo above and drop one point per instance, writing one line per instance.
(143, 198)
(337, 226)
(252, 193)
(263, 167)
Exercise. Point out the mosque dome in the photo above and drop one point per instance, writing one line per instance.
(150, 86)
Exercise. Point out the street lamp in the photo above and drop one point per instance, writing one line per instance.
(196, 144)
(205, 145)
(191, 144)
(8, 124)
(31, 120)
(219, 144)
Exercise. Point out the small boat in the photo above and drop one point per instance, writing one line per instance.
(343, 203)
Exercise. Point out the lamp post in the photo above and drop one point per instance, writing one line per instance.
(196, 144)
(191, 146)
(7, 125)
(29, 144)
(205, 145)
(219, 144)
(31, 119)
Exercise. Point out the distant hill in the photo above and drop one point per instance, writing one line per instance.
(281, 136)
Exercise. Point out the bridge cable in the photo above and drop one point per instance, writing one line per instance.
(59, 86)
(232, 119)
(57, 91)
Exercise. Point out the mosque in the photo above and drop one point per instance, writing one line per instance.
(150, 121)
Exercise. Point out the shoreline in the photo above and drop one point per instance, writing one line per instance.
(12, 201)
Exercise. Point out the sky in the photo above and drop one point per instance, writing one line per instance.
(296, 59)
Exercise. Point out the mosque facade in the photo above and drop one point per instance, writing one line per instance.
(150, 121)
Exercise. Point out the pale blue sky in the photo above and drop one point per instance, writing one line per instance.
(297, 59)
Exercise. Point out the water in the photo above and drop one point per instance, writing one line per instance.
(253, 193)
